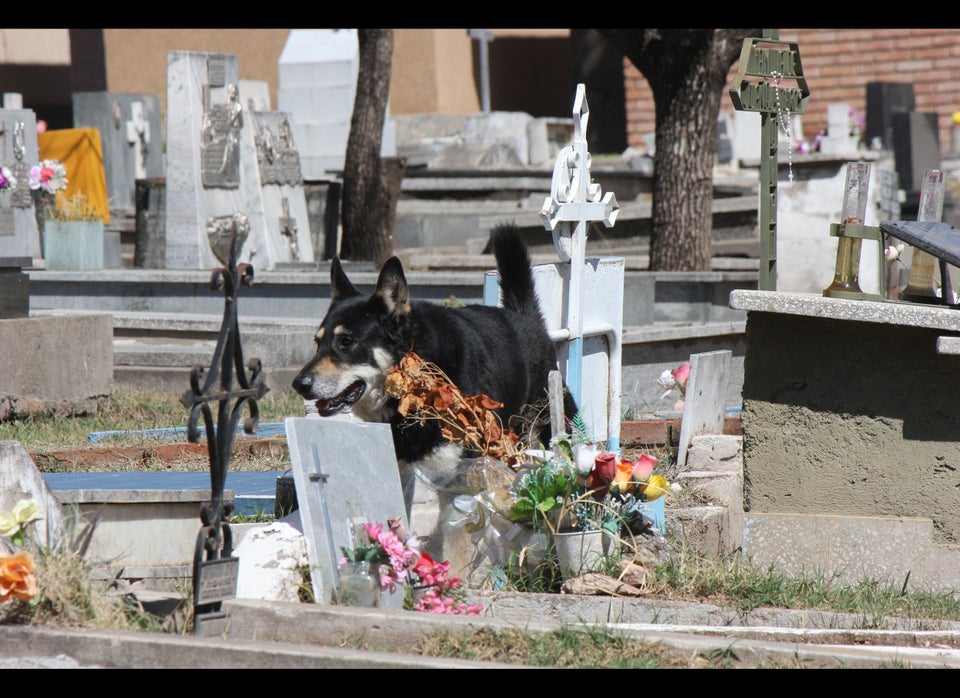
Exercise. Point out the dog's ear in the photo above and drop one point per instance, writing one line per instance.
(392, 287)
(339, 283)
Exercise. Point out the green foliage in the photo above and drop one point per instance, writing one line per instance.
(540, 491)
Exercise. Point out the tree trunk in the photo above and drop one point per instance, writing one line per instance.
(371, 185)
(687, 71)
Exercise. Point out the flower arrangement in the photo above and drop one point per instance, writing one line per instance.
(399, 558)
(18, 569)
(675, 379)
(49, 176)
(580, 486)
(7, 180)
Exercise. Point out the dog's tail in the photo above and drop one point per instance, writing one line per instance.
(516, 276)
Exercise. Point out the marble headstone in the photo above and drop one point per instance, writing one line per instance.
(346, 474)
(211, 166)
(19, 232)
(129, 126)
(281, 179)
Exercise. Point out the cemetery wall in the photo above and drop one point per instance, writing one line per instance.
(838, 64)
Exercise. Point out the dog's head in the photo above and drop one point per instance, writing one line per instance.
(359, 340)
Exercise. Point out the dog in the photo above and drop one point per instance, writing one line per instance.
(505, 353)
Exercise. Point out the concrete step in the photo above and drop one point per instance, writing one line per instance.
(847, 549)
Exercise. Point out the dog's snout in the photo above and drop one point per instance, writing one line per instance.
(303, 383)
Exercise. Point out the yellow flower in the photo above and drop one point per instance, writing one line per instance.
(656, 486)
(17, 576)
(24, 511)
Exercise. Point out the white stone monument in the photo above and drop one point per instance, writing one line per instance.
(281, 180)
(211, 166)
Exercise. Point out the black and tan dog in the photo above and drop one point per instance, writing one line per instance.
(505, 353)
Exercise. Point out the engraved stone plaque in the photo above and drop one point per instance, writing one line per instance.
(220, 142)
(277, 157)
(21, 196)
(216, 72)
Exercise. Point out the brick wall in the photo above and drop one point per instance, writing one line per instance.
(838, 64)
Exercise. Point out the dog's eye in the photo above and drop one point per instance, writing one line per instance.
(344, 341)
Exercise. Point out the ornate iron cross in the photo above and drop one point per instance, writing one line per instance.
(215, 569)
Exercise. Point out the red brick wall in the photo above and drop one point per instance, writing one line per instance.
(838, 64)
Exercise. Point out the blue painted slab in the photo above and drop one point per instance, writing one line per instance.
(180, 433)
(242, 483)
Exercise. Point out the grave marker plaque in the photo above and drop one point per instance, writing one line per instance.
(345, 474)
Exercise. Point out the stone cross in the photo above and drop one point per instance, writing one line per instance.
(138, 136)
(288, 228)
(574, 202)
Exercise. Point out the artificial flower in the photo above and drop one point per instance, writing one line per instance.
(49, 175)
(13, 523)
(892, 252)
(623, 479)
(604, 470)
(7, 180)
(17, 576)
(584, 456)
(643, 468)
(655, 487)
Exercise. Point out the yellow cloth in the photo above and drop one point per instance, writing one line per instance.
(80, 152)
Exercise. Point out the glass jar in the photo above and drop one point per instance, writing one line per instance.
(359, 585)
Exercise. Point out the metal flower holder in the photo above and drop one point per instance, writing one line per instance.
(214, 567)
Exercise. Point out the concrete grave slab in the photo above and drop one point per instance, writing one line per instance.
(346, 474)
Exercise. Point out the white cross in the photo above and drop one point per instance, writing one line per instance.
(575, 201)
(138, 135)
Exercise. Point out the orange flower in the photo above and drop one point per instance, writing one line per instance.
(17, 578)
(623, 480)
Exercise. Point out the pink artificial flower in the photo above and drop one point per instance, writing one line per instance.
(680, 374)
(643, 467)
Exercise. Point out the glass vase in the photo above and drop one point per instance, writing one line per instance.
(359, 585)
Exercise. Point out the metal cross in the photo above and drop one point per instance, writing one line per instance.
(574, 202)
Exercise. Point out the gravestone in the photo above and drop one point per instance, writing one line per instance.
(19, 232)
(346, 474)
(20, 479)
(256, 94)
(281, 179)
(130, 135)
(704, 398)
(317, 74)
(211, 170)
